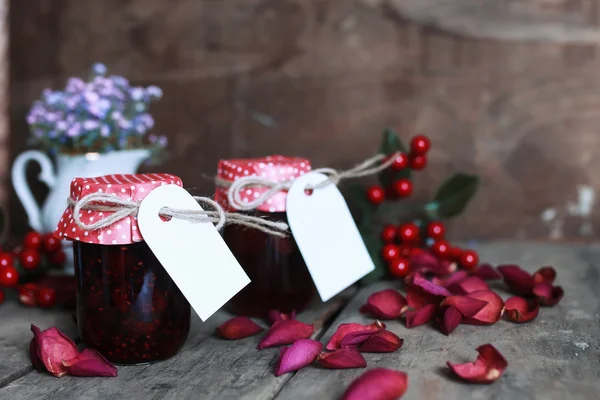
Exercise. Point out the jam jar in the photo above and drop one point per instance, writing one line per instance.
(279, 277)
(128, 307)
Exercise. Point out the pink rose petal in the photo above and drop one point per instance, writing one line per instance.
(450, 319)
(487, 273)
(544, 275)
(285, 332)
(386, 304)
(33, 356)
(471, 284)
(420, 292)
(489, 314)
(420, 316)
(238, 328)
(426, 262)
(355, 339)
(547, 294)
(89, 363)
(52, 348)
(467, 306)
(344, 329)
(347, 357)
(456, 277)
(518, 280)
(278, 316)
(377, 384)
(488, 367)
(383, 341)
(518, 309)
(299, 355)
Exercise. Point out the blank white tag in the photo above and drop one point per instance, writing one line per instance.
(327, 236)
(193, 253)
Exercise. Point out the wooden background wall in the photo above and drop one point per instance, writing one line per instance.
(506, 89)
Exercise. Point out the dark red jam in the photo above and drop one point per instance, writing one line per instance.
(128, 307)
(278, 274)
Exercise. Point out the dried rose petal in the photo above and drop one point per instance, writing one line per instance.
(450, 319)
(285, 332)
(487, 273)
(547, 294)
(383, 341)
(488, 367)
(344, 329)
(347, 357)
(386, 304)
(420, 292)
(420, 316)
(238, 328)
(278, 316)
(355, 339)
(544, 275)
(423, 262)
(299, 355)
(467, 306)
(471, 284)
(456, 277)
(518, 309)
(89, 363)
(33, 355)
(52, 348)
(489, 314)
(377, 384)
(517, 279)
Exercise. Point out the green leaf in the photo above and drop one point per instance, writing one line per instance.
(373, 244)
(391, 144)
(452, 196)
(356, 198)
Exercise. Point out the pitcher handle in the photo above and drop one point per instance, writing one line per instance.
(19, 178)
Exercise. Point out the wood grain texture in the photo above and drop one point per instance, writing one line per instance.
(553, 357)
(322, 78)
(207, 367)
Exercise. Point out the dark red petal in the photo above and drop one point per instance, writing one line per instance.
(547, 294)
(488, 367)
(278, 316)
(386, 304)
(544, 275)
(518, 309)
(299, 355)
(420, 316)
(383, 341)
(426, 262)
(467, 306)
(89, 363)
(489, 314)
(238, 328)
(33, 356)
(471, 284)
(344, 358)
(52, 348)
(355, 339)
(430, 287)
(377, 384)
(344, 329)
(456, 277)
(517, 279)
(450, 320)
(285, 332)
(487, 273)
(420, 292)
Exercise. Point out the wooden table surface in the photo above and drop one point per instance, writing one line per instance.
(556, 356)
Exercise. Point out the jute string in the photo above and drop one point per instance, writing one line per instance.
(123, 208)
(368, 167)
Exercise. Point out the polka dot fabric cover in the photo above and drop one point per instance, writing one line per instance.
(130, 187)
(273, 168)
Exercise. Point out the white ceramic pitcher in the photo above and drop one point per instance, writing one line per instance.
(46, 218)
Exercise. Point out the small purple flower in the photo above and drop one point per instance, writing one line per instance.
(147, 120)
(163, 141)
(137, 93)
(90, 125)
(61, 126)
(124, 123)
(74, 130)
(105, 131)
(140, 107)
(116, 115)
(31, 119)
(99, 69)
(74, 85)
(91, 97)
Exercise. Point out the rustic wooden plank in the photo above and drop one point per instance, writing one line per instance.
(15, 334)
(553, 357)
(206, 368)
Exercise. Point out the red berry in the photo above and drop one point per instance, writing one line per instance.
(375, 194)
(1, 296)
(440, 248)
(469, 259)
(389, 252)
(400, 162)
(6, 260)
(420, 144)
(51, 244)
(57, 258)
(415, 251)
(46, 297)
(403, 187)
(388, 234)
(409, 233)
(406, 250)
(399, 267)
(436, 230)
(27, 294)
(418, 162)
(33, 240)
(29, 258)
(8, 276)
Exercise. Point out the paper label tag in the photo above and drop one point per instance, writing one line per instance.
(193, 253)
(327, 236)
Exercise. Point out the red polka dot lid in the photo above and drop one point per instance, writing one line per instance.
(130, 187)
(273, 168)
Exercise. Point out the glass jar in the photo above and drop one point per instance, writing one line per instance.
(128, 307)
(279, 277)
